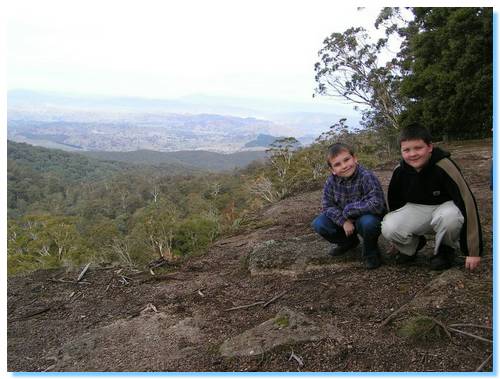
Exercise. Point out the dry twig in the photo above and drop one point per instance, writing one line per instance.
(51, 367)
(470, 335)
(31, 314)
(67, 281)
(481, 366)
(403, 307)
(244, 306)
(83, 272)
(74, 297)
(471, 325)
(297, 358)
(124, 280)
(109, 283)
(443, 326)
(274, 299)
(150, 307)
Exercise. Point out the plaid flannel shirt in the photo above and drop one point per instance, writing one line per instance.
(349, 198)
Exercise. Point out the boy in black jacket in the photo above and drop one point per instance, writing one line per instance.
(428, 193)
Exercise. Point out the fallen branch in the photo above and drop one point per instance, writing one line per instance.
(481, 366)
(83, 272)
(471, 325)
(470, 335)
(403, 307)
(274, 299)
(158, 263)
(244, 306)
(109, 283)
(73, 298)
(35, 313)
(394, 314)
(67, 281)
(443, 326)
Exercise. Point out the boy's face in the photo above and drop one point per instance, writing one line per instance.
(416, 153)
(343, 164)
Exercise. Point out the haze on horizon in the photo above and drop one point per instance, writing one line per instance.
(154, 49)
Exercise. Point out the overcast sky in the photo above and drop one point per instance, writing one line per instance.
(172, 48)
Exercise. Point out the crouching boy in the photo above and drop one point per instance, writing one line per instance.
(428, 194)
(353, 203)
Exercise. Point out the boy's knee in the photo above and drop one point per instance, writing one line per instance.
(449, 218)
(369, 225)
(388, 227)
(318, 224)
(448, 223)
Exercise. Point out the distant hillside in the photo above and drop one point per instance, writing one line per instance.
(93, 123)
(128, 132)
(262, 140)
(202, 160)
(72, 166)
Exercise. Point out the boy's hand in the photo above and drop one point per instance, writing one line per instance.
(348, 228)
(472, 262)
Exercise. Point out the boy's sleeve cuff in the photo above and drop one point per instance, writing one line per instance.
(346, 213)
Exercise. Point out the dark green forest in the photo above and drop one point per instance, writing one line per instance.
(65, 209)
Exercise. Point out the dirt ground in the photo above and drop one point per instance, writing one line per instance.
(321, 314)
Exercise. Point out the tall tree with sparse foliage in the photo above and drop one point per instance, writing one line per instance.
(350, 67)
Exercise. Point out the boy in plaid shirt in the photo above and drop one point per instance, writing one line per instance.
(353, 203)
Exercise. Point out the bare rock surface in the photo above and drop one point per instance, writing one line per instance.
(126, 344)
(286, 328)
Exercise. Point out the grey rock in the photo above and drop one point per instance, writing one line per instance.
(287, 327)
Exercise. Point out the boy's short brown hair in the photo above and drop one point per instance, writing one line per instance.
(336, 149)
(415, 132)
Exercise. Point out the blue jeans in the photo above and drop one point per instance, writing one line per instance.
(367, 226)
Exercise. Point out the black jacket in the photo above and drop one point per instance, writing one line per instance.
(439, 181)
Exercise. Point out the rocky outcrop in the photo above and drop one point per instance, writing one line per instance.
(287, 327)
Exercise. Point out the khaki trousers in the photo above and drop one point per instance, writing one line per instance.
(403, 226)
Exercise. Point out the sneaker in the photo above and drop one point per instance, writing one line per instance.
(372, 262)
(340, 249)
(443, 259)
(406, 259)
